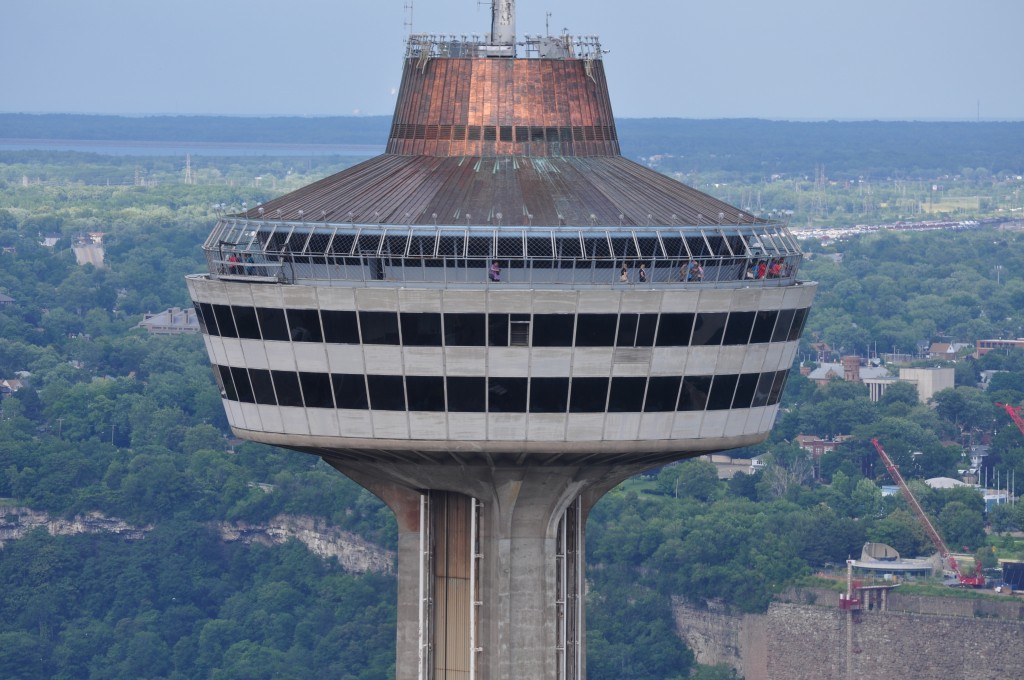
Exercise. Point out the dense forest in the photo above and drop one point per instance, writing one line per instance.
(115, 421)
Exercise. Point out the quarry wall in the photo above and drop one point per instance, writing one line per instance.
(807, 637)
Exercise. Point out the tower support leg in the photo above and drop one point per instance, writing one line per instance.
(501, 597)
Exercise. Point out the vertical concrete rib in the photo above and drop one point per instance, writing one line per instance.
(533, 521)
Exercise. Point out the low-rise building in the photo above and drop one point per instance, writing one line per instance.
(818, 446)
(10, 386)
(173, 321)
(928, 380)
(983, 347)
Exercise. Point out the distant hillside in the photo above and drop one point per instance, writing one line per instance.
(750, 147)
(846, 149)
(224, 129)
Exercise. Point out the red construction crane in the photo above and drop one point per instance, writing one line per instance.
(1014, 413)
(975, 581)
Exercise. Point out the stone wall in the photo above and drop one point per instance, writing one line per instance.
(809, 638)
(817, 643)
(718, 636)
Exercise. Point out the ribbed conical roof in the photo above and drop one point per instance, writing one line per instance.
(532, 140)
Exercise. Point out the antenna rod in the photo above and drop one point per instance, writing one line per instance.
(503, 22)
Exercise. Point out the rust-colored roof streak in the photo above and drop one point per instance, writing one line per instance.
(389, 187)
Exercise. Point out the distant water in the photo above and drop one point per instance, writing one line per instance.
(129, 148)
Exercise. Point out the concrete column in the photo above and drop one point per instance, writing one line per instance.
(522, 507)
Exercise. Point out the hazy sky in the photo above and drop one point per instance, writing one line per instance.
(784, 59)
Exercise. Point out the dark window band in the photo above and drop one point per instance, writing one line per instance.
(658, 394)
(432, 329)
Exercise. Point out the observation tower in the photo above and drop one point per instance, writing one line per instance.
(491, 325)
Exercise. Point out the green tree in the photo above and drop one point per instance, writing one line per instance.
(867, 500)
(962, 527)
(902, 531)
(697, 478)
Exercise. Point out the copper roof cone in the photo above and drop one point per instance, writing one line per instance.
(503, 141)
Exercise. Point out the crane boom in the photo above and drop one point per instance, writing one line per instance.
(922, 517)
(1014, 413)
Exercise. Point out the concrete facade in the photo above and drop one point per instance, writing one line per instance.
(928, 380)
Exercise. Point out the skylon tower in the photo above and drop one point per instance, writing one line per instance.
(491, 325)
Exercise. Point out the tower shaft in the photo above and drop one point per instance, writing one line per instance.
(490, 578)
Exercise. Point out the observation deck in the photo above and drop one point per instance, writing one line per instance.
(763, 254)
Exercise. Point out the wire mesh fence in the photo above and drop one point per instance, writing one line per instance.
(297, 251)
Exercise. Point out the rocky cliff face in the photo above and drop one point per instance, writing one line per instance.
(354, 553)
(15, 522)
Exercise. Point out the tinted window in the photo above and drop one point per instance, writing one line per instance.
(764, 322)
(506, 395)
(627, 395)
(426, 392)
(421, 330)
(777, 387)
(242, 386)
(722, 389)
(782, 326)
(466, 395)
(225, 322)
(674, 330)
(745, 390)
(662, 392)
(466, 330)
(588, 395)
(552, 330)
(262, 387)
(708, 328)
(799, 317)
(227, 383)
(497, 330)
(340, 327)
(645, 330)
(304, 325)
(200, 318)
(627, 330)
(694, 395)
(549, 395)
(316, 389)
(764, 388)
(386, 392)
(737, 332)
(349, 390)
(272, 323)
(595, 330)
(519, 330)
(379, 328)
(286, 384)
(245, 322)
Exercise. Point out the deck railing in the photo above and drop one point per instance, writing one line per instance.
(759, 254)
